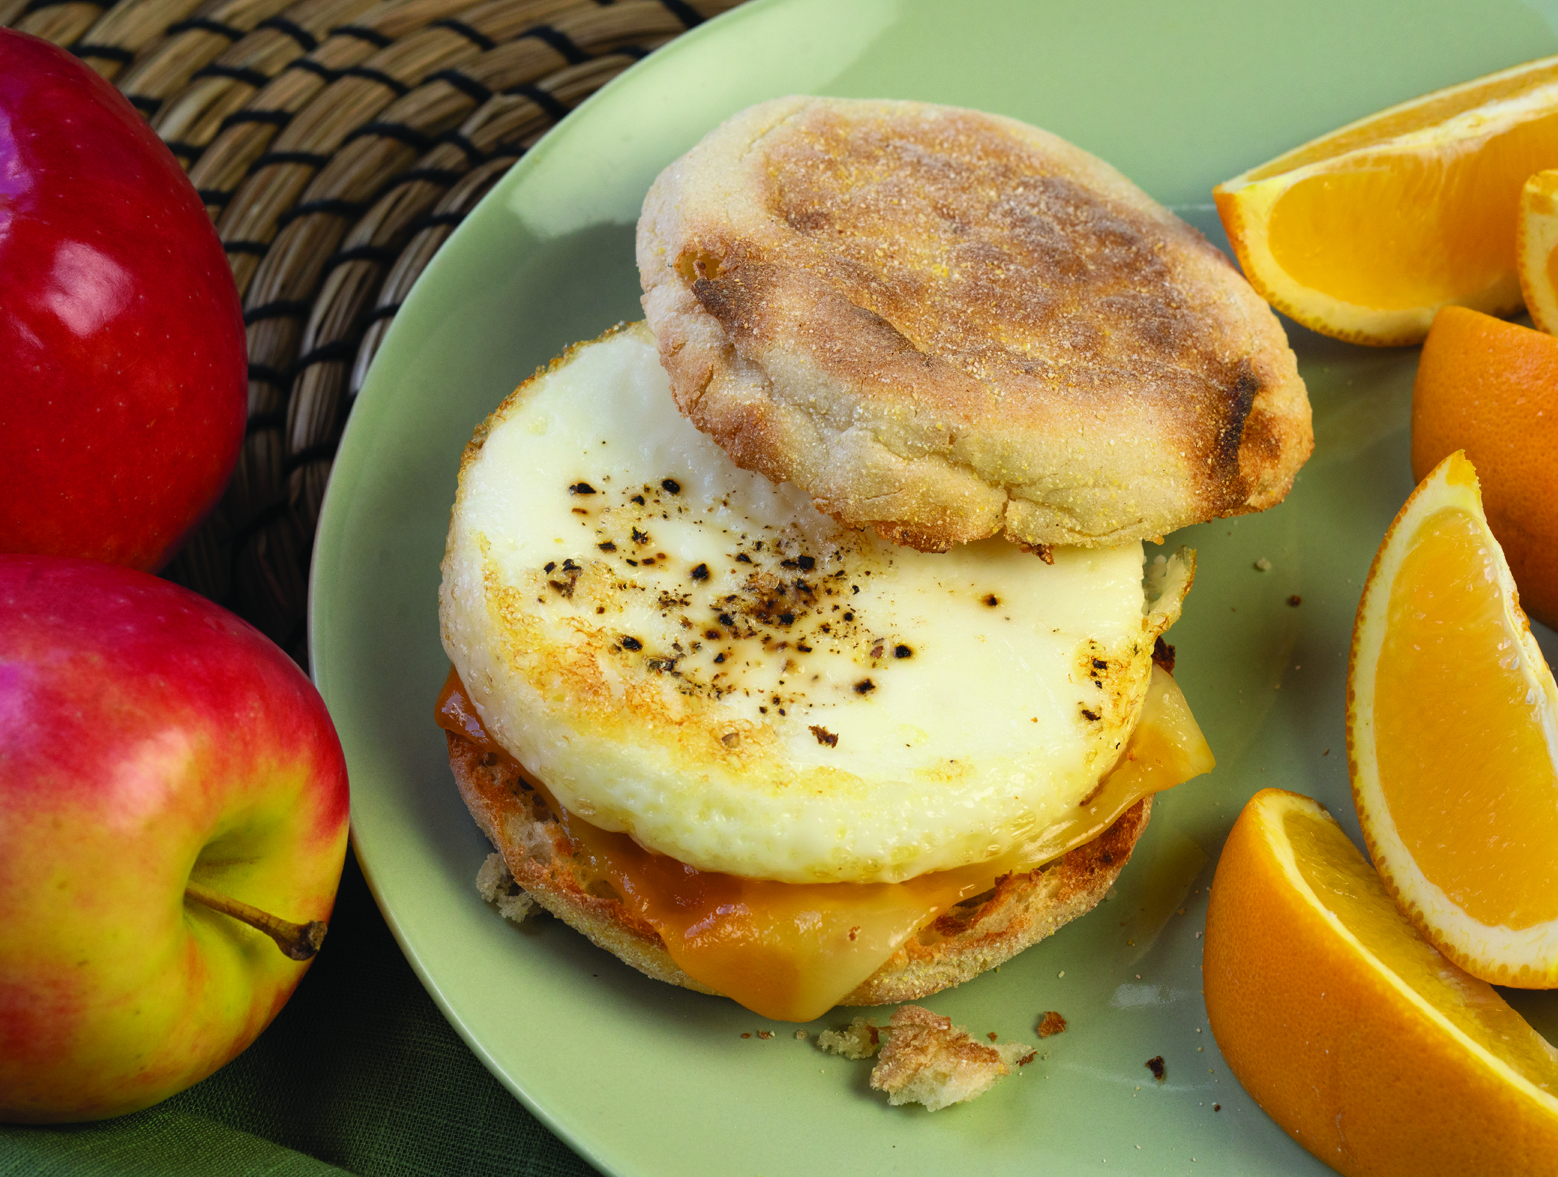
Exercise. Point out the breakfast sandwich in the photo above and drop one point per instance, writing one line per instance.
(756, 742)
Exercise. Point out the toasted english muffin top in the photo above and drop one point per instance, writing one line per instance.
(949, 325)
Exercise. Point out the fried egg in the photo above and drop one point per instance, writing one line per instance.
(691, 654)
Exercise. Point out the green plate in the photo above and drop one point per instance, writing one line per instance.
(643, 1079)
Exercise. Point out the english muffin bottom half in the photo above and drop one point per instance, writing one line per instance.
(754, 751)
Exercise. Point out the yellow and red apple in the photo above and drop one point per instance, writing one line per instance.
(123, 376)
(156, 754)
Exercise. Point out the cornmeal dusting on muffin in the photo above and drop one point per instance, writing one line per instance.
(945, 325)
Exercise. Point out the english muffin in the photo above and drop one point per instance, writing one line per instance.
(539, 860)
(948, 325)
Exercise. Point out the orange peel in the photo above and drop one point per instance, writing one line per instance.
(1364, 233)
(1349, 1029)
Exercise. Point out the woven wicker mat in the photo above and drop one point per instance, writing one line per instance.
(336, 144)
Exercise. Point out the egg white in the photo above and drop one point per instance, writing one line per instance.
(685, 651)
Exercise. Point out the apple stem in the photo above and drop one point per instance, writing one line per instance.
(298, 941)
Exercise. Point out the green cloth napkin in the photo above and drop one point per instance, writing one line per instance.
(359, 1073)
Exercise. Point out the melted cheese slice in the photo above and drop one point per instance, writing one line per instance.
(793, 951)
(694, 657)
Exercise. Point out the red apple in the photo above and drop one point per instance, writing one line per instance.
(156, 755)
(123, 378)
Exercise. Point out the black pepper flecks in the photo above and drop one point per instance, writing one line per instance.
(768, 592)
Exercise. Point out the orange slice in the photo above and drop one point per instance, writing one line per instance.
(1452, 738)
(1367, 1046)
(1364, 233)
(1491, 388)
(1536, 248)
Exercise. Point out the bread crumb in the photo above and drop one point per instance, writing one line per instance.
(860, 1039)
(765, 1033)
(928, 1060)
(800, 1035)
(1050, 1023)
(497, 886)
(1155, 1065)
(1263, 565)
(747, 1035)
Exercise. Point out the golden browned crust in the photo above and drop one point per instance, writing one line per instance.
(974, 936)
(947, 324)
